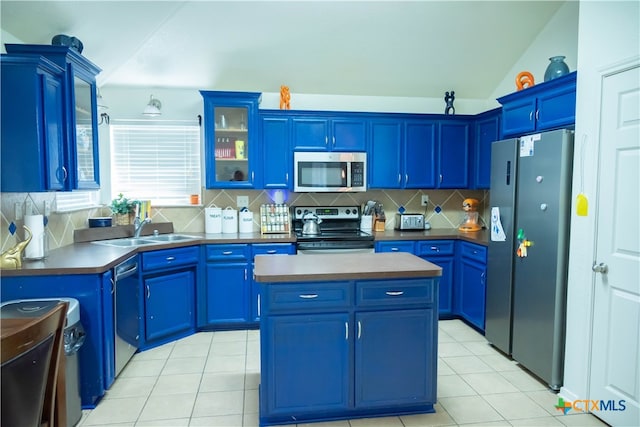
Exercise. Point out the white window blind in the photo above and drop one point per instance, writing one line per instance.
(69, 201)
(154, 162)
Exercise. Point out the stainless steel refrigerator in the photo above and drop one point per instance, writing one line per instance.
(530, 200)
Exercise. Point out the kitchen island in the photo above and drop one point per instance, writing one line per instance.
(346, 336)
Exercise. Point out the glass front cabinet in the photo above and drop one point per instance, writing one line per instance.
(79, 111)
(231, 139)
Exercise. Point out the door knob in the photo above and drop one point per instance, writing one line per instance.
(600, 268)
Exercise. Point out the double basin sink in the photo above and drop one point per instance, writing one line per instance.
(146, 240)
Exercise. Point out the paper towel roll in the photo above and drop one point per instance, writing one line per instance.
(213, 220)
(229, 220)
(36, 247)
(246, 222)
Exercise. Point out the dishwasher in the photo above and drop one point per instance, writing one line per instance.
(126, 307)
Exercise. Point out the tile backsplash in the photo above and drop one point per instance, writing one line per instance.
(444, 209)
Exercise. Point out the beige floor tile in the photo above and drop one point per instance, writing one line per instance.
(225, 364)
(469, 409)
(162, 353)
(251, 420)
(176, 384)
(184, 365)
(142, 368)
(546, 399)
(523, 380)
(250, 401)
(481, 348)
(338, 423)
(174, 422)
(198, 338)
(253, 335)
(454, 385)
(228, 348)
(190, 350)
(229, 336)
(131, 387)
(376, 422)
(221, 421)
(514, 406)
(499, 362)
(251, 380)
(536, 422)
(439, 418)
(444, 369)
(467, 364)
(490, 424)
(218, 403)
(581, 420)
(452, 349)
(168, 407)
(444, 337)
(113, 411)
(225, 381)
(489, 383)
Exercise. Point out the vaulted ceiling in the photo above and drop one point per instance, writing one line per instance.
(381, 48)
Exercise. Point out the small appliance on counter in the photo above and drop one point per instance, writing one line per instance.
(409, 221)
(470, 217)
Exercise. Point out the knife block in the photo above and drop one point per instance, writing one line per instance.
(378, 223)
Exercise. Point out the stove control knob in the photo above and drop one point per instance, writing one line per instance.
(347, 211)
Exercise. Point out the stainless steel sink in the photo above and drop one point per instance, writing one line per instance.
(125, 242)
(128, 242)
(170, 238)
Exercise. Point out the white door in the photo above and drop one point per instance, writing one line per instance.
(615, 365)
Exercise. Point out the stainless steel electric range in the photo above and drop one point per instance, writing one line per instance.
(337, 230)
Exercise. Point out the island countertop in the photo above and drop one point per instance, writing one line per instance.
(321, 267)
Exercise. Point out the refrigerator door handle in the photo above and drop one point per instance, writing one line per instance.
(508, 172)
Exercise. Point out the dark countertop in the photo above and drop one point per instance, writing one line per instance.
(307, 268)
(90, 258)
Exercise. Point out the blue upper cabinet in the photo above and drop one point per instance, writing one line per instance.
(317, 131)
(545, 106)
(277, 162)
(232, 139)
(487, 130)
(402, 153)
(453, 153)
(75, 122)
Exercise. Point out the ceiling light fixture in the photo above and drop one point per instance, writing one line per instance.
(153, 108)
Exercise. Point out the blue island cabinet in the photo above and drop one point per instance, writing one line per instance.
(326, 349)
(96, 357)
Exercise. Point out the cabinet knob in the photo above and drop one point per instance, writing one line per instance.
(394, 293)
(308, 296)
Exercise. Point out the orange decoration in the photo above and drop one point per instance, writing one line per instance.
(524, 79)
(285, 97)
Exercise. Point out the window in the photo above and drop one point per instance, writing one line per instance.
(69, 201)
(154, 162)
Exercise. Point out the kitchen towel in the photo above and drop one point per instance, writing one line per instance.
(229, 220)
(497, 232)
(36, 247)
(213, 220)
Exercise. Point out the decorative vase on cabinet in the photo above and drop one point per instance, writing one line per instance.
(556, 68)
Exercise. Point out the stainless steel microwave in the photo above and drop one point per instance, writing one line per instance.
(329, 172)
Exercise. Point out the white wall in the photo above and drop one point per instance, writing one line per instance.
(609, 33)
(558, 37)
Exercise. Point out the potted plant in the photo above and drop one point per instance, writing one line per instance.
(122, 208)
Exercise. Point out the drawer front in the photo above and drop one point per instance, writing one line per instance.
(273, 248)
(474, 252)
(396, 292)
(436, 247)
(228, 252)
(302, 297)
(395, 246)
(170, 258)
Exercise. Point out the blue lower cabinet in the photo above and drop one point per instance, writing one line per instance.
(227, 293)
(472, 283)
(309, 361)
(94, 294)
(445, 299)
(169, 305)
(325, 349)
(394, 365)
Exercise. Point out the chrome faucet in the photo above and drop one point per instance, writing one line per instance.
(138, 225)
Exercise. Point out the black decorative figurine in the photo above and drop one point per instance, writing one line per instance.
(448, 99)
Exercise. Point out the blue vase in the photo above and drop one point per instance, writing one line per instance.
(557, 68)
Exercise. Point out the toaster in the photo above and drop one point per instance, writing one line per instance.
(409, 221)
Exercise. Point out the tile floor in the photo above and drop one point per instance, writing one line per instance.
(211, 379)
